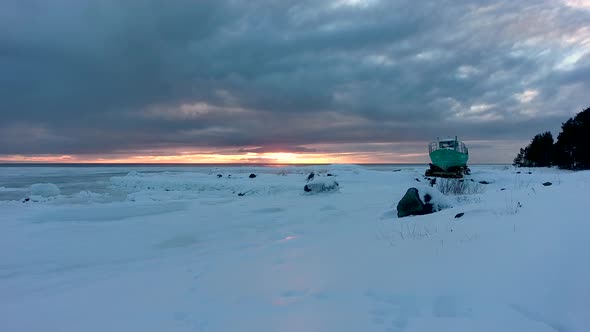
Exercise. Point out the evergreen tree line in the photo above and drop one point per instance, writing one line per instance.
(571, 151)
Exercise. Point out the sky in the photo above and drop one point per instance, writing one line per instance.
(327, 81)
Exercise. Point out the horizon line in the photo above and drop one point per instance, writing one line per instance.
(2, 163)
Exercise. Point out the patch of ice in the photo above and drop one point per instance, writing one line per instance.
(5, 189)
(321, 186)
(44, 190)
(89, 197)
(183, 186)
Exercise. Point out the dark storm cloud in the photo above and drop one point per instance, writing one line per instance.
(91, 77)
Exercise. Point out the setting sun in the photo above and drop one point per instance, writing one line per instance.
(283, 157)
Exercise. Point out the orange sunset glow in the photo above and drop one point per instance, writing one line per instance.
(226, 157)
(254, 158)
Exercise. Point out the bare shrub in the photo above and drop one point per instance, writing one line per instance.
(459, 187)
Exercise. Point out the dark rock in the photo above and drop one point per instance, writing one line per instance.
(432, 182)
(484, 182)
(459, 215)
(241, 194)
(396, 170)
(518, 172)
(252, 176)
(412, 205)
(529, 172)
(26, 200)
(502, 189)
(310, 176)
(546, 184)
(417, 179)
(329, 174)
(472, 180)
(219, 175)
(428, 209)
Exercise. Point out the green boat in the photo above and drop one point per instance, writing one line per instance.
(449, 155)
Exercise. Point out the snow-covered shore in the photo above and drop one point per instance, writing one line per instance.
(176, 249)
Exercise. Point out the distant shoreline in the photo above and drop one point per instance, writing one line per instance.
(209, 165)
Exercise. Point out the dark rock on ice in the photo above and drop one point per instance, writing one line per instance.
(252, 176)
(546, 184)
(317, 187)
(459, 215)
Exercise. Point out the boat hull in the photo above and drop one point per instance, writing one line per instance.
(447, 159)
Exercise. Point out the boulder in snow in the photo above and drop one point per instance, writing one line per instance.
(44, 190)
(320, 186)
(421, 201)
(252, 176)
(547, 184)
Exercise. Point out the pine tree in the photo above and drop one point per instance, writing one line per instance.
(540, 152)
(519, 161)
(572, 150)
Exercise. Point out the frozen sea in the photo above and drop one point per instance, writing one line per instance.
(207, 248)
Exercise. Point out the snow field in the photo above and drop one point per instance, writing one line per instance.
(180, 250)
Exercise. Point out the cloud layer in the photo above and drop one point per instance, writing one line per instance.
(116, 77)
